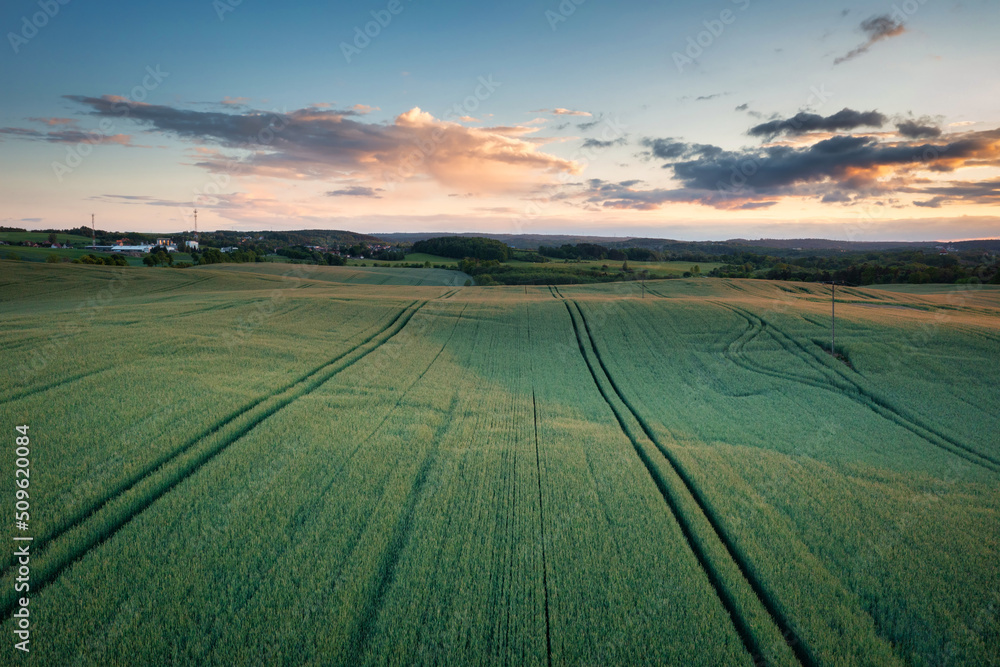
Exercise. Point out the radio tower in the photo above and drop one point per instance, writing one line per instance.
(93, 232)
(196, 224)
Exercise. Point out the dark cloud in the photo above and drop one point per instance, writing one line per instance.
(66, 136)
(980, 192)
(597, 143)
(851, 162)
(356, 191)
(841, 169)
(669, 148)
(590, 124)
(743, 107)
(623, 195)
(916, 129)
(876, 28)
(802, 122)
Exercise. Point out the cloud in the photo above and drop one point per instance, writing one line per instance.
(915, 129)
(976, 192)
(840, 169)
(802, 122)
(235, 101)
(559, 111)
(54, 121)
(848, 161)
(743, 107)
(317, 144)
(597, 143)
(876, 28)
(356, 191)
(364, 109)
(67, 136)
(703, 98)
(669, 148)
(624, 195)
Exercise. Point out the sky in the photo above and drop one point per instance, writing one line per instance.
(686, 120)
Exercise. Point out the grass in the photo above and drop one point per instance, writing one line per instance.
(280, 464)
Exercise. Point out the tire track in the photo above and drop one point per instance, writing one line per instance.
(541, 522)
(840, 382)
(52, 385)
(362, 632)
(171, 288)
(128, 501)
(724, 594)
(541, 504)
(361, 635)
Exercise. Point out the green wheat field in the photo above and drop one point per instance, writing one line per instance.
(346, 465)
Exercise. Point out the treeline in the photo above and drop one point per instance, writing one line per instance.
(592, 251)
(462, 247)
(914, 267)
(492, 272)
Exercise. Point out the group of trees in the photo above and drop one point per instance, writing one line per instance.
(462, 247)
(871, 268)
(106, 260)
(592, 251)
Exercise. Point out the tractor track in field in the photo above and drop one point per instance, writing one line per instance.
(978, 332)
(541, 504)
(49, 572)
(361, 634)
(25, 393)
(171, 288)
(298, 519)
(727, 598)
(843, 382)
(541, 520)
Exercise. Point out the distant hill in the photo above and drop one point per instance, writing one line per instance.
(828, 244)
(532, 241)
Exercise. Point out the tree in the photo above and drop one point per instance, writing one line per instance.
(52, 258)
(53, 239)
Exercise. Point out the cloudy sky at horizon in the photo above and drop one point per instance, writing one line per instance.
(689, 120)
